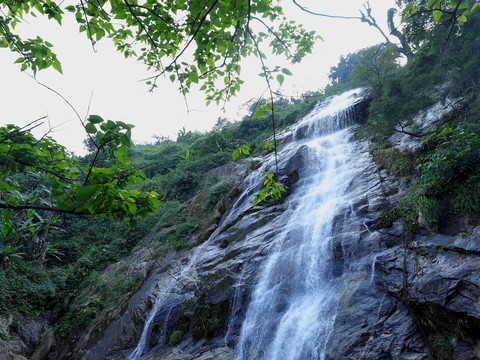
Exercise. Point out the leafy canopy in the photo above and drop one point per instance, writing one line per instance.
(217, 34)
(457, 11)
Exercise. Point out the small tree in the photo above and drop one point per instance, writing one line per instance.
(39, 180)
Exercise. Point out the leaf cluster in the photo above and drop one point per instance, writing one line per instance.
(270, 189)
(216, 35)
(39, 179)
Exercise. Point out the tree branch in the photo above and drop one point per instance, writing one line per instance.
(271, 95)
(174, 61)
(273, 33)
(42, 207)
(326, 15)
(88, 26)
(154, 44)
(370, 20)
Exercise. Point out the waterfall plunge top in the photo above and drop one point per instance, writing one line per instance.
(330, 115)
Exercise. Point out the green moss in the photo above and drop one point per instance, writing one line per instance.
(398, 163)
(232, 254)
(208, 320)
(175, 338)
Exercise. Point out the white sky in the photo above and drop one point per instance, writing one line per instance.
(118, 95)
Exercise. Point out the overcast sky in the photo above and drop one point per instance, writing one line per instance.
(112, 82)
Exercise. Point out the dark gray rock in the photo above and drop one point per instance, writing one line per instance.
(44, 346)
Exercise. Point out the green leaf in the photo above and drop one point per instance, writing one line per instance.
(70, 8)
(287, 72)
(464, 5)
(95, 119)
(85, 193)
(258, 113)
(111, 125)
(235, 154)
(437, 14)
(280, 79)
(193, 77)
(57, 66)
(90, 128)
(7, 250)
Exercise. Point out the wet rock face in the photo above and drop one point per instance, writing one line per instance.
(407, 298)
(442, 280)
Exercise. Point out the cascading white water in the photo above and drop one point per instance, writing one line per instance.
(293, 306)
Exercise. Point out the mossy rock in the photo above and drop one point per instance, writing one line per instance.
(208, 320)
(232, 254)
(180, 327)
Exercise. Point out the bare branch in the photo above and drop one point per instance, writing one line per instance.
(264, 68)
(370, 20)
(26, 128)
(326, 15)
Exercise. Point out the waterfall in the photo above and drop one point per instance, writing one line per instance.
(293, 306)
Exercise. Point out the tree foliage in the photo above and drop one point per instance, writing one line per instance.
(39, 179)
(216, 33)
(456, 11)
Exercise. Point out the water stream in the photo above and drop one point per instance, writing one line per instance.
(293, 306)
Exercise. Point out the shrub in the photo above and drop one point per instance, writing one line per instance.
(468, 195)
(175, 338)
(219, 194)
(428, 211)
(398, 163)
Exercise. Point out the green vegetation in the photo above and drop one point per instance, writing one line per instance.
(208, 319)
(175, 338)
(442, 67)
(180, 327)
